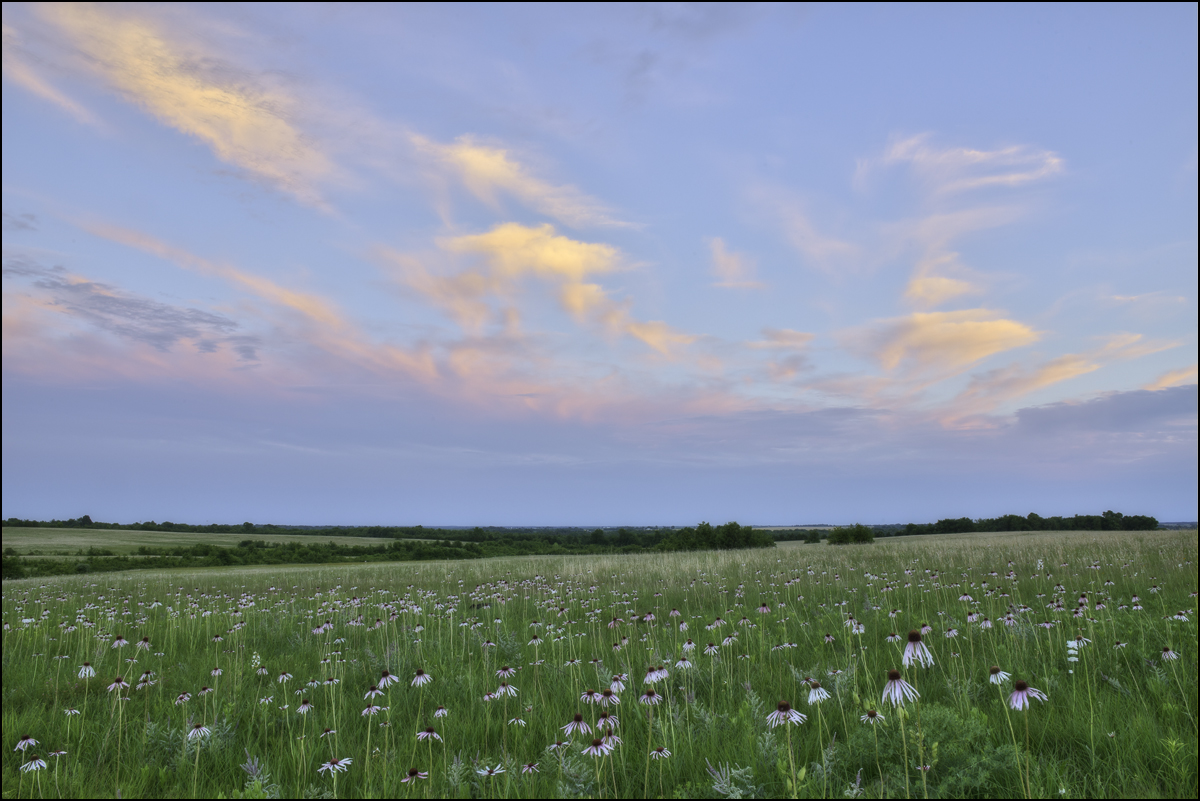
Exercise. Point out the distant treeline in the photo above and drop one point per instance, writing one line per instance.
(1109, 521)
(433, 544)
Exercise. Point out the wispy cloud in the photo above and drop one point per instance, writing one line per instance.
(939, 274)
(993, 388)
(512, 252)
(20, 222)
(949, 170)
(159, 325)
(795, 223)
(195, 90)
(1173, 378)
(488, 171)
(943, 175)
(733, 270)
(307, 304)
(783, 339)
(22, 69)
(941, 342)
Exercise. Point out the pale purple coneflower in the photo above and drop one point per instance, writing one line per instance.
(688, 646)
(893, 637)
(120, 642)
(387, 679)
(916, 651)
(590, 697)
(25, 742)
(618, 683)
(659, 753)
(1168, 654)
(441, 712)
(998, 676)
(143, 644)
(1022, 692)
(711, 649)
(35, 763)
(305, 707)
(529, 767)
(506, 689)
(829, 638)
(335, 765)
(486, 771)
(872, 717)
(284, 676)
(413, 775)
(506, 672)
(607, 720)
(816, 693)
(205, 691)
(897, 690)
(118, 684)
(86, 671)
(421, 678)
(429, 734)
(597, 749)
(199, 732)
(926, 629)
(374, 692)
(785, 714)
(577, 724)
(182, 698)
(650, 697)
(69, 711)
(371, 710)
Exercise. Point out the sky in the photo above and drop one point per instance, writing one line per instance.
(598, 265)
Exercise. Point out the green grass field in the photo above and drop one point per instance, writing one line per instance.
(68, 541)
(512, 647)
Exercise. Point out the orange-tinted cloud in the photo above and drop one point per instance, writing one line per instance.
(488, 171)
(511, 252)
(187, 87)
(943, 341)
(1173, 378)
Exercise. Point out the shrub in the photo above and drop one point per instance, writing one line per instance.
(857, 533)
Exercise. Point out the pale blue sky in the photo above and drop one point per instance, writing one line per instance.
(599, 264)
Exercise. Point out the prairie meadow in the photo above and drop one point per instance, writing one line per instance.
(991, 666)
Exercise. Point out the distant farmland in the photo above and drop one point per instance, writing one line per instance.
(70, 541)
